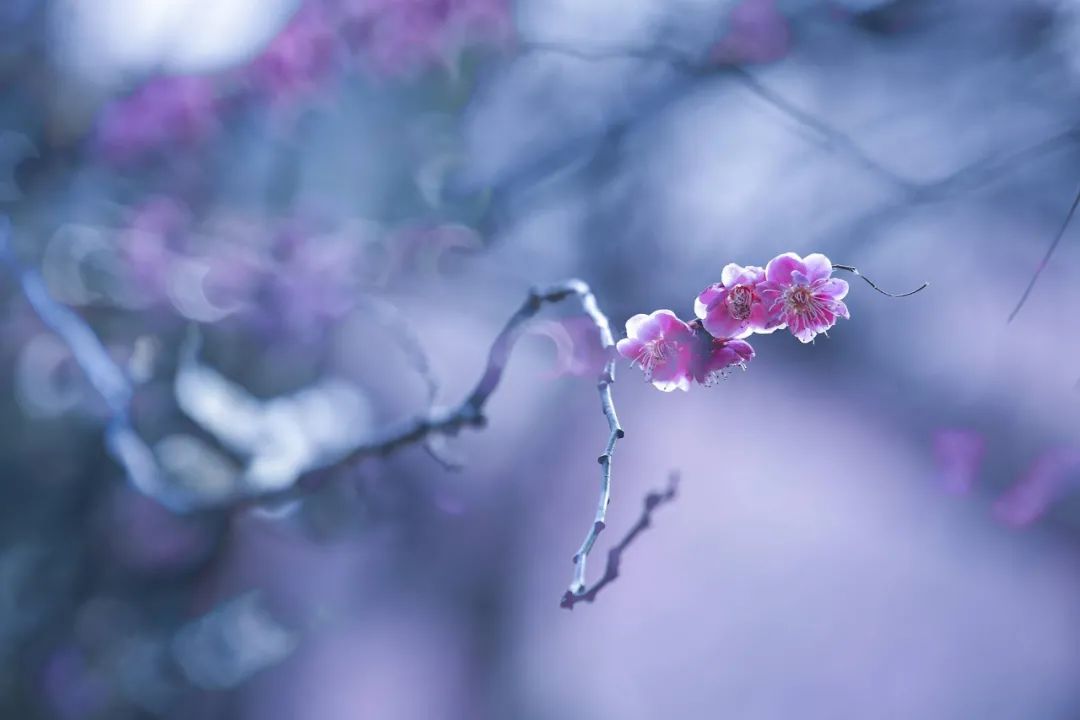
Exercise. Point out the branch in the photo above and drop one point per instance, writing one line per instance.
(103, 373)
(653, 500)
(140, 464)
(695, 66)
(855, 271)
(1046, 258)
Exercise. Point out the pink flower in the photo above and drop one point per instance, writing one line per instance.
(800, 294)
(712, 359)
(662, 346)
(757, 32)
(162, 114)
(733, 307)
(300, 58)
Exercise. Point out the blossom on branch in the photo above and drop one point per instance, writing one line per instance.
(713, 359)
(802, 294)
(791, 292)
(661, 345)
(733, 307)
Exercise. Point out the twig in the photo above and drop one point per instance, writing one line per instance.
(1046, 258)
(653, 500)
(870, 282)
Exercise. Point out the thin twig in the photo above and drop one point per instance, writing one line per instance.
(653, 500)
(871, 283)
(1046, 258)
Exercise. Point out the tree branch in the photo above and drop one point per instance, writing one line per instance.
(653, 500)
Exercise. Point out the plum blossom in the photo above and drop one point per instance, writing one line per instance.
(713, 358)
(403, 37)
(163, 113)
(300, 58)
(733, 307)
(801, 294)
(662, 346)
(757, 32)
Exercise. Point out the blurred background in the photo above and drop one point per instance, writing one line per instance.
(248, 235)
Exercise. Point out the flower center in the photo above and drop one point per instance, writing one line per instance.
(739, 301)
(652, 352)
(799, 299)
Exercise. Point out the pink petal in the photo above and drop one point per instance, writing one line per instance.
(721, 324)
(730, 274)
(707, 297)
(635, 325)
(630, 348)
(834, 287)
(781, 267)
(818, 267)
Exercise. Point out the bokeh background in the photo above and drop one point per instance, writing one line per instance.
(295, 223)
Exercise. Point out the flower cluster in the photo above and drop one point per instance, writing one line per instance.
(791, 292)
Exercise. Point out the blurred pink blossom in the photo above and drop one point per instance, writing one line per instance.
(579, 350)
(300, 58)
(801, 294)
(1044, 483)
(959, 454)
(162, 114)
(757, 32)
(401, 37)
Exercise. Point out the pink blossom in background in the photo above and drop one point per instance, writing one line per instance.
(316, 279)
(579, 350)
(163, 114)
(801, 294)
(300, 58)
(713, 359)
(154, 227)
(661, 345)
(401, 37)
(959, 453)
(1047, 480)
(733, 307)
(757, 32)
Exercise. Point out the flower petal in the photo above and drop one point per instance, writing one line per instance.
(781, 267)
(729, 276)
(722, 325)
(630, 348)
(818, 267)
(636, 325)
(835, 288)
(707, 297)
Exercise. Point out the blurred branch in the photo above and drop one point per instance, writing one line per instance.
(140, 464)
(697, 66)
(138, 459)
(103, 373)
(1046, 258)
(653, 500)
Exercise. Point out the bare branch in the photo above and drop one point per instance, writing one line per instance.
(870, 282)
(653, 500)
(1046, 258)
